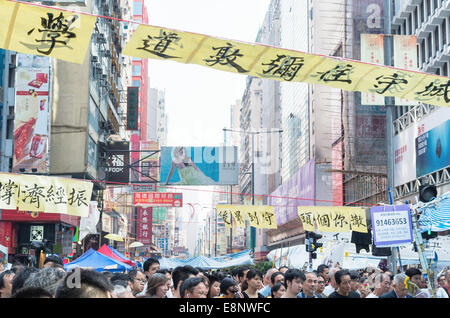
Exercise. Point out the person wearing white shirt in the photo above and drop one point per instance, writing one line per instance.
(382, 285)
(331, 288)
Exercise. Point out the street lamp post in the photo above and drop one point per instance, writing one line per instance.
(253, 133)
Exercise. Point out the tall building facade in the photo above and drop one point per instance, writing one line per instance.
(413, 125)
(85, 112)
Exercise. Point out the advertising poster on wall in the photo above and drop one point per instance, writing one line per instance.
(149, 161)
(31, 121)
(301, 185)
(405, 167)
(199, 165)
(433, 150)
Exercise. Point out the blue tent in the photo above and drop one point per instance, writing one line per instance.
(118, 253)
(98, 262)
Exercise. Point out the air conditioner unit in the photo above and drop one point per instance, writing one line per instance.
(107, 54)
(94, 58)
(103, 125)
(104, 77)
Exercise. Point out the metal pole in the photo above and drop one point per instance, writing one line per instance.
(215, 242)
(252, 229)
(5, 111)
(231, 219)
(420, 250)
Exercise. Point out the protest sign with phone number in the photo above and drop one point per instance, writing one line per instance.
(391, 225)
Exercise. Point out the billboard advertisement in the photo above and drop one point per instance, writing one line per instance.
(433, 150)
(199, 165)
(144, 225)
(158, 199)
(405, 148)
(31, 121)
(118, 162)
(301, 185)
(149, 161)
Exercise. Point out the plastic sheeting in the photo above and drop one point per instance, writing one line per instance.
(229, 260)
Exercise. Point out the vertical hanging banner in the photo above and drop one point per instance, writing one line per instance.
(46, 32)
(372, 51)
(144, 225)
(132, 108)
(405, 56)
(31, 120)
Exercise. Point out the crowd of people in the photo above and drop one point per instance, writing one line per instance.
(52, 281)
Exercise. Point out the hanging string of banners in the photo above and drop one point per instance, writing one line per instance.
(66, 36)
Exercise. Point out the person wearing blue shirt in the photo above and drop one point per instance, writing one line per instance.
(309, 286)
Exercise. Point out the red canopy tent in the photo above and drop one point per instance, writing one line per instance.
(106, 250)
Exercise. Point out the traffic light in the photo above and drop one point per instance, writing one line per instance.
(427, 193)
(311, 243)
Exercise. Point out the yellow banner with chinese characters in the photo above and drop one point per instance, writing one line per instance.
(43, 31)
(259, 216)
(333, 219)
(287, 65)
(45, 194)
(307, 218)
(225, 215)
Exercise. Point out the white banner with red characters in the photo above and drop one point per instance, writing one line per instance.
(144, 225)
(158, 199)
(405, 56)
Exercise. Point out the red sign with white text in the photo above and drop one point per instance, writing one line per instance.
(144, 225)
(158, 199)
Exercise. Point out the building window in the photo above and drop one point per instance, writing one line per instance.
(136, 83)
(436, 39)
(137, 8)
(36, 233)
(416, 19)
(444, 32)
(136, 70)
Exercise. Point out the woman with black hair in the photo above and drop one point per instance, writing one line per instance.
(254, 283)
(277, 290)
(214, 286)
